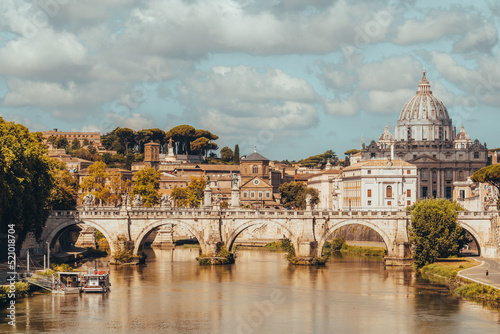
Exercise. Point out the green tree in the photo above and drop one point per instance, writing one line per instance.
(61, 142)
(149, 135)
(320, 160)
(146, 185)
(293, 195)
(25, 181)
(95, 182)
(182, 136)
(489, 174)
(118, 186)
(64, 191)
(192, 195)
(75, 145)
(434, 230)
(202, 145)
(83, 153)
(236, 155)
(226, 154)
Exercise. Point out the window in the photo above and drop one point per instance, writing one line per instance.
(476, 155)
(372, 155)
(408, 172)
(408, 192)
(388, 192)
(268, 194)
(462, 194)
(260, 194)
(424, 192)
(408, 203)
(369, 194)
(255, 169)
(448, 192)
(389, 203)
(245, 194)
(369, 202)
(424, 174)
(252, 194)
(434, 174)
(369, 171)
(448, 174)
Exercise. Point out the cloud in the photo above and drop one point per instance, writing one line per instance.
(241, 101)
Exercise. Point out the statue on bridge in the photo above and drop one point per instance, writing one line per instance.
(166, 201)
(88, 199)
(137, 201)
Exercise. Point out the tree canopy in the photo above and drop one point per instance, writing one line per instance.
(489, 174)
(434, 230)
(64, 191)
(226, 154)
(25, 181)
(95, 182)
(146, 185)
(320, 160)
(192, 195)
(293, 195)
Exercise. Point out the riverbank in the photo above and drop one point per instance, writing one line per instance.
(447, 271)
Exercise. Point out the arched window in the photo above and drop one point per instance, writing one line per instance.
(388, 192)
(255, 169)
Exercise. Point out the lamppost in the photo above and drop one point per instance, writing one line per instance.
(48, 255)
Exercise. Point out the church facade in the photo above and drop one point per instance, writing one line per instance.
(425, 136)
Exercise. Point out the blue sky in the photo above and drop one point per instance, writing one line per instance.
(294, 78)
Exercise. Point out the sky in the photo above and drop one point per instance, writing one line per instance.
(293, 78)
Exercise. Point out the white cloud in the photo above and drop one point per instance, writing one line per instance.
(240, 100)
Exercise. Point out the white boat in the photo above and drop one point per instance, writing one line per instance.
(96, 281)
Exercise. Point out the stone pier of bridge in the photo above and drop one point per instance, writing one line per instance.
(308, 230)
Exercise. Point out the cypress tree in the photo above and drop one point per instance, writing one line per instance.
(236, 155)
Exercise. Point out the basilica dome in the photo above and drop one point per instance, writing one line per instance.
(424, 105)
(424, 117)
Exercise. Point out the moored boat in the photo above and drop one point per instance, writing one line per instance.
(96, 281)
(66, 282)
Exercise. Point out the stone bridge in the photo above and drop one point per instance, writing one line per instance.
(308, 230)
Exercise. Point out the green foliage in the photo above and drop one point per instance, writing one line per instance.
(63, 193)
(480, 292)
(75, 145)
(22, 289)
(293, 195)
(25, 181)
(202, 145)
(320, 160)
(288, 248)
(236, 155)
(95, 182)
(192, 195)
(274, 246)
(95, 253)
(351, 152)
(222, 256)
(434, 230)
(489, 174)
(334, 246)
(61, 142)
(121, 254)
(146, 184)
(226, 154)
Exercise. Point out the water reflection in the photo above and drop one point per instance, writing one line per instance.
(260, 293)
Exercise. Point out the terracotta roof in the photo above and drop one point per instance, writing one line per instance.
(232, 168)
(379, 163)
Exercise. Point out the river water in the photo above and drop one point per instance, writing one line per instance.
(258, 294)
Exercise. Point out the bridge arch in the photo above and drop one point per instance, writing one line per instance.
(48, 235)
(158, 223)
(389, 242)
(249, 223)
(475, 235)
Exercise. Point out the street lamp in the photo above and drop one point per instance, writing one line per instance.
(48, 255)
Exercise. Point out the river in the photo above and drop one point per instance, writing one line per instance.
(258, 294)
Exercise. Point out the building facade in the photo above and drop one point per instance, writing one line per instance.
(384, 184)
(426, 137)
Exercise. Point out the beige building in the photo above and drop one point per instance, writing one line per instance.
(93, 138)
(328, 184)
(387, 185)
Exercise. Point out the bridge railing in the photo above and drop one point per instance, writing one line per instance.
(110, 212)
